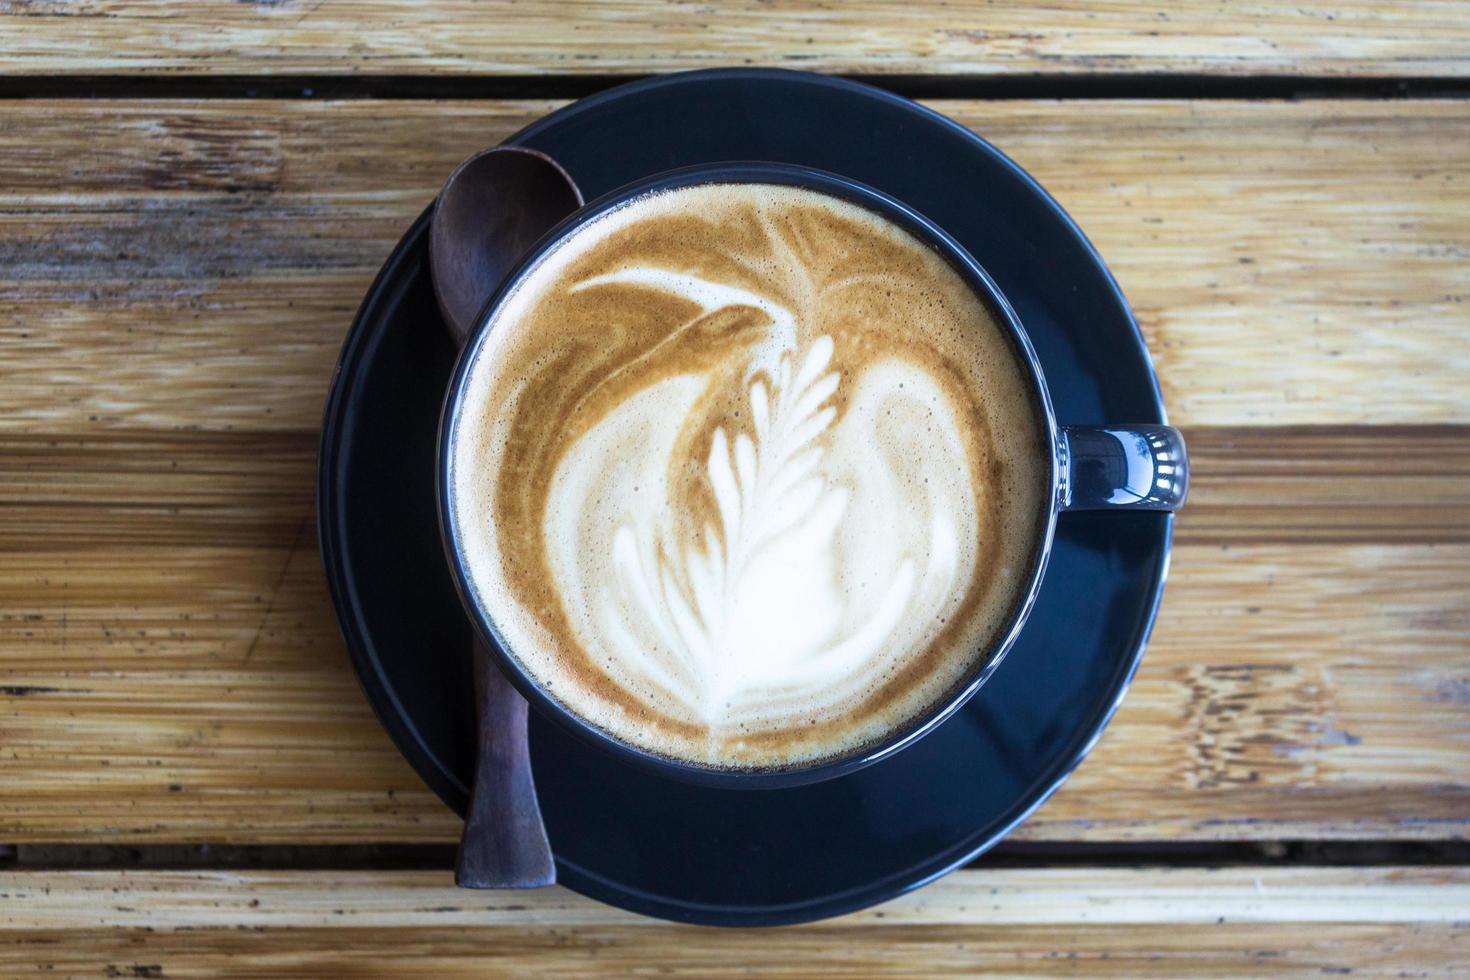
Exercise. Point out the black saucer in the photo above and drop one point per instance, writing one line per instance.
(735, 857)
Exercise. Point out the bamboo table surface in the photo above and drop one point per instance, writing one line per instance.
(195, 195)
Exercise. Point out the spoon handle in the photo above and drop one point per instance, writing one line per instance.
(504, 843)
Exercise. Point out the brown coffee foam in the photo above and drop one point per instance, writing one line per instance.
(560, 359)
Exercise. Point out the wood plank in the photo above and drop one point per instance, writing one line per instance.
(1312, 484)
(503, 37)
(1320, 484)
(1134, 922)
(202, 260)
(148, 487)
(1290, 691)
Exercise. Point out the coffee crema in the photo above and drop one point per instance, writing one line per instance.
(747, 476)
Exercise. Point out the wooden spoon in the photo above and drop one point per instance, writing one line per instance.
(493, 208)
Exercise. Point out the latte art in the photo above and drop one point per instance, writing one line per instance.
(741, 623)
(745, 475)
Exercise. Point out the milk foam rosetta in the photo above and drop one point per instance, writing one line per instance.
(746, 475)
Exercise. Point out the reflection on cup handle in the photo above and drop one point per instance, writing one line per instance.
(1141, 467)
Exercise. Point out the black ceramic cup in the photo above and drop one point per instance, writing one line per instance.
(1140, 467)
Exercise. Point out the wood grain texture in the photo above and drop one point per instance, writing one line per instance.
(1303, 484)
(176, 278)
(961, 37)
(1144, 922)
(201, 260)
(1319, 484)
(1290, 691)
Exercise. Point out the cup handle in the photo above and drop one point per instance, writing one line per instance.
(1139, 467)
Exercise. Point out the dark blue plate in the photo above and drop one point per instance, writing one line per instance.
(736, 857)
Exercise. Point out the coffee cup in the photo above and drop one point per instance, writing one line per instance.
(749, 475)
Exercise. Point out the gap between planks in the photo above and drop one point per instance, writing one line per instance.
(1008, 854)
(1093, 86)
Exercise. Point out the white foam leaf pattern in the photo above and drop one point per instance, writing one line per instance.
(828, 558)
(762, 494)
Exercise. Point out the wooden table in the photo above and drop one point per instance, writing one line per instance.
(193, 197)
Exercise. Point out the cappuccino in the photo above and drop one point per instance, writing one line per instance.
(747, 476)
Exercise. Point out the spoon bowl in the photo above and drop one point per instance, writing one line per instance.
(491, 211)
